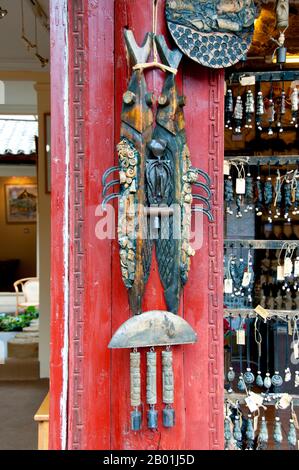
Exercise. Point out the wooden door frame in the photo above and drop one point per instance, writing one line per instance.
(85, 98)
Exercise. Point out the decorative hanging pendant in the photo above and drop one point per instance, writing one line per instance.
(248, 375)
(249, 109)
(296, 378)
(277, 434)
(229, 109)
(294, 106)
(168, 389)
(230, 443)
(277, 195)
(260, 110)
(228, 194)
(271, 116)
(260, 196)
(282, 111)
(135, 382)
(151, 389)
(241, 384)
(267, 381)
(231, 377)
(288, 375)
(268, 196)
(238, 114)
(259, 379)
(277, 380)
(292, 435)
(287, 199)
(263, 436)
(249, 433)
(249, 196)
(237, 432)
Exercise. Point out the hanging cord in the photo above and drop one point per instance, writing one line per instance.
(248, 342)
(231, 338)
(240, 349)
(258, 340)
(155, 63)
(287, 346)
(267, 345)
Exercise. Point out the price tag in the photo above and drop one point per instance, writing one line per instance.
(261, 311)
(251, 404)
(296, 268)
(284, 401)
(240, 337)
(228, 286)
(226, 168)
(280, 273)
(246, 279)
(247, 81)
(240, 185)
(287, 267)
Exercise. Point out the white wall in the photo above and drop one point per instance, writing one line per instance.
(19, 98)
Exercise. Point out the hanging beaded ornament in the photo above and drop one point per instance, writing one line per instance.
(259, 193)
(277, 195)
(260, 109)
(263, 436)
(229, 109)
(248, 375)
(282, 110)
(276, 380)
(267, 379)
(237, 432)
(287, 371)
(228, 194)
(231, 373)
(230, 443)
(268, 195)
(292, 435)
(249, 434)
(249, 109)
(271, 111)
(249, 197)
(294, 106)
(277, 434)
(287, 189)
(258, 339)
(238, 114)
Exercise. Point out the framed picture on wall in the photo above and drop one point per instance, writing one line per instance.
(48, 151)
(21, 203)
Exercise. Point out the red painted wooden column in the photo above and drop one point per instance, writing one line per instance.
(90, 403)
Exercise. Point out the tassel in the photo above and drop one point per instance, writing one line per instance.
(259, 190)
(249, 109)
(237, 433)
(168, 389)
(238, 115)
(294, 106)
(277, 435)
(135, 390)
(230, 443)
(292, 435)
(229, 107)
(287, 200)
(260, 110)
(228, 194)
(151, 389)
(249, 197)
(249, 433)
(263, 435)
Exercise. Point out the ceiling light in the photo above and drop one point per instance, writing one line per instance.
(3, 12)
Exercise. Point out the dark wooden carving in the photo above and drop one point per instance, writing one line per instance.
(136, 133)
(215, 33)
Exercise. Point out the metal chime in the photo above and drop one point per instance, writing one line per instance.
(155, 180)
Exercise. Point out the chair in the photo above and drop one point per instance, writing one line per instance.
(29, 288)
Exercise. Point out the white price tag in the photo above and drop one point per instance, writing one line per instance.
(261, 311)
(280, 273)
(226, 168)
(228, 286)
(240, 337)
(251, 404)
(240, 185)
(287, 267)
(247, 81)
(284, 401)
(296, 268)
(246, 279)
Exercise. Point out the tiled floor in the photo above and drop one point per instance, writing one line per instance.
(19, 401)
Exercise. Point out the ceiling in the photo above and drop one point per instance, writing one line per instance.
(13, 52)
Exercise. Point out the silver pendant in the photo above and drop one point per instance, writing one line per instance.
(259, 379)
(248, 376)
(277, 380)
(231, 375)
(267, 381)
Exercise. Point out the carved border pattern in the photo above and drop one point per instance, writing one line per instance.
(215, 244)
(77, 72)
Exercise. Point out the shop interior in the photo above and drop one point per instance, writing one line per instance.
(261, 232)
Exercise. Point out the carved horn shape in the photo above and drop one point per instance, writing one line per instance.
(203, 186)
(154, 328)
(202, 199)
(167, 56)
(108, 198)
(203, 174)
(138, 55)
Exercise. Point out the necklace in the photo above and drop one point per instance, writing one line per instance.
(288, 375)
(241, 383)
(258, 339)
(248, 376)
(267, 379)
(231, 373)
(276, 380)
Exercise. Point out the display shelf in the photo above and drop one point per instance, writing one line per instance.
(265, 76)
(260, 244)
(240, 397)
(264, 159)
(244, 312)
